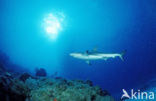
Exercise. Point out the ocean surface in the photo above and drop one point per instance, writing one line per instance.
(42, 34)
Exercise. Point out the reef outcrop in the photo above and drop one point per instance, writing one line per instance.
(28, 88)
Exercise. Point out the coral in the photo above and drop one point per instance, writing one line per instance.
(42, 94)
(28, 88)
(19, 87)
(60, 89)
(24, 77)
(41, 72)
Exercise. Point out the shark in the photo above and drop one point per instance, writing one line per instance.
(95, 55)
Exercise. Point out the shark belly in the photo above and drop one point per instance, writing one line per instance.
(90, 57)
(109, 55)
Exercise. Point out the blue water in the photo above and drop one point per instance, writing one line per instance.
(108, 25)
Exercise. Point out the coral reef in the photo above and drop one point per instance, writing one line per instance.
(41, 72)
(28, 88)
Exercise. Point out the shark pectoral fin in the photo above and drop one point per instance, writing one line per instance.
(105, 59)
(88, 62)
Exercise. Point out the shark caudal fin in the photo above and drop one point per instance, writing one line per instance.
(122, 54)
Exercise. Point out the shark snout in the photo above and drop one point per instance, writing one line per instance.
(76, 55)
(73, 54)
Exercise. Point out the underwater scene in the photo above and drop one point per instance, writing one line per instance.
(78, 50)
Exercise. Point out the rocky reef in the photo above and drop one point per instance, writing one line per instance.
(28, 88)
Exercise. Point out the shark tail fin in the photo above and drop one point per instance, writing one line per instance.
(122, 54)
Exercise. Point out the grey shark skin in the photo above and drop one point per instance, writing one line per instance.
(96, 56)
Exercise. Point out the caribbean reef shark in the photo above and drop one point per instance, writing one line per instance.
(94, 55)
